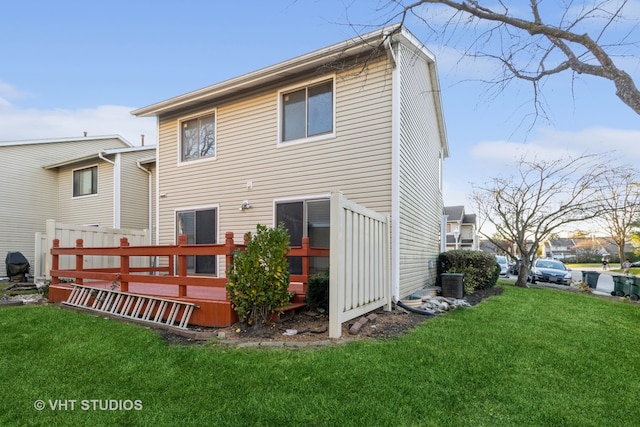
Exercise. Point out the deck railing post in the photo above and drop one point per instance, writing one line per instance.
(124, 265)
(182, 264)
(79, 260)
(305, 264)
(230, 247)
(55, 262)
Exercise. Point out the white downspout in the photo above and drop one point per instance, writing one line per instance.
(116, 187)
(395, 172)
(150, 207)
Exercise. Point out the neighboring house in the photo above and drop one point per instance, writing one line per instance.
(461, 229)
(96, 181)
(582, 247)
(565, 248)
(270, 146)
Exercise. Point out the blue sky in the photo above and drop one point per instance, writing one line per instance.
(74, 66)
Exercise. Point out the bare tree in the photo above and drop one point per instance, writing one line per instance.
(538, 200)
(620, 196)
(532, 46)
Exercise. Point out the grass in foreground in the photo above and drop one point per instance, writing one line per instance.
(528, 357)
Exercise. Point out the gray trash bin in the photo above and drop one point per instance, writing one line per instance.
(452, 285)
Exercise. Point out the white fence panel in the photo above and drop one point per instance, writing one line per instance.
(92, 237)
(359, 264)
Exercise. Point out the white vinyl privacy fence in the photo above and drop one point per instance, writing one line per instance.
(359, 265)
(92, 237)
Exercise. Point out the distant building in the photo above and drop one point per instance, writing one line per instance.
(582, 248)
(461, 229)
(93, 181)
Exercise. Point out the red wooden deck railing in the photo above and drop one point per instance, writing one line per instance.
(173, 271)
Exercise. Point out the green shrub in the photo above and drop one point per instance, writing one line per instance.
(480, 269)
(258, 280)
(318, 292)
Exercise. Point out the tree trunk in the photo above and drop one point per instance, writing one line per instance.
(523, 272)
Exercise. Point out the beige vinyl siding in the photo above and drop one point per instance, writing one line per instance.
(420, 195)
(96, 209)
(134, 191)
(29, 194)
(357, 161)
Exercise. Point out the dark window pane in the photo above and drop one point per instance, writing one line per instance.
(320, 109)
(190, 140)
(294, 113)
(291, 215)
(206, 233)
(208, 136)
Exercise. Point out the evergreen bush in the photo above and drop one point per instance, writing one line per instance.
(318, 292)
(480, 269)
(258, 280)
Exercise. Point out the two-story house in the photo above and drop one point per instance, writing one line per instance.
(97, 181)
(363, 117)
(461, 229)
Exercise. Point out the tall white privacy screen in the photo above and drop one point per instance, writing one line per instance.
(359, 276)
(92, 237)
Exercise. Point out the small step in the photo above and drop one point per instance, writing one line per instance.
(292, 307)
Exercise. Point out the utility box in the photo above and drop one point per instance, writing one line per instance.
(452, 285)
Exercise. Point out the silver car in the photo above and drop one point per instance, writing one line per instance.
(504, 266)
(549, 270)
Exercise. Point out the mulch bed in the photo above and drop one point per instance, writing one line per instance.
(312, 327)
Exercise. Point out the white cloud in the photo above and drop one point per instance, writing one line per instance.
(489, 159)
(550, 143)
(24, 124)
(9, 92)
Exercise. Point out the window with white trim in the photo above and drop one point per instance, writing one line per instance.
(307, 112)
(198, 138)
(85, 181)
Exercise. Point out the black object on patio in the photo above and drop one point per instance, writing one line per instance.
(17, 266)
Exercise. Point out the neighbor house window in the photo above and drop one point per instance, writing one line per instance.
(307, 112)
(198, 138)
(306, 218)
(200, 227)
(85, 181)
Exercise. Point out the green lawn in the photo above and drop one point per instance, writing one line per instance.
(530, 357)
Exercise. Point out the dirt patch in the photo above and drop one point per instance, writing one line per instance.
(313, 327)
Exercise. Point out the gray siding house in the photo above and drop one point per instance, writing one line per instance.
(363, 117)
(97, 181)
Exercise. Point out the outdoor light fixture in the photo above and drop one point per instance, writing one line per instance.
(245, 205)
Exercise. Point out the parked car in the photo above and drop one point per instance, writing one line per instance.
(514, 268)
(549, 270)
(635, 264)
(504, 267)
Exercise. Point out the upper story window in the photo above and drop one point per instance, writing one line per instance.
(307, 112)
(85, 181)
(198, 138)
